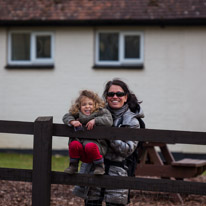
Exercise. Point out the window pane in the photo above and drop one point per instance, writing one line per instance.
(20, 47)
(43, 46)
(132, 47)
(108, 47)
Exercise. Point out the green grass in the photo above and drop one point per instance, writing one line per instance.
(25, 161)
(59, 163)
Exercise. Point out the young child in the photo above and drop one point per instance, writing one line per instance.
(88, 110)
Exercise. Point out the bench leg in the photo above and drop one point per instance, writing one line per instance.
(177, 198)
(157, 160)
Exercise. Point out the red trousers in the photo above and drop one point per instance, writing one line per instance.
(86, 154)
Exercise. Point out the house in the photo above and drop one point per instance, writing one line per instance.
(51, 49)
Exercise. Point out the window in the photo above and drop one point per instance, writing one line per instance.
(30, 48)
(119, 48)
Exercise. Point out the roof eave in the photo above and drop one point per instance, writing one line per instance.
(113, 22)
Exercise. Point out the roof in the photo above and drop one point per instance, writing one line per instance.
(102, 12)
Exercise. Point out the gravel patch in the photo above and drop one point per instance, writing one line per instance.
(14, 193)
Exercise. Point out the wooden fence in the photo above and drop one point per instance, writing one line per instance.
(42, 177)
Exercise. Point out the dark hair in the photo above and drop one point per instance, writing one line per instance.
(132, 100)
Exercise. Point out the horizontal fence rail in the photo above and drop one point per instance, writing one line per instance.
(147, 184)
(150, 135)
(16, 127)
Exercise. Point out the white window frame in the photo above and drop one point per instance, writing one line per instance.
(121, 60)
(33, 60)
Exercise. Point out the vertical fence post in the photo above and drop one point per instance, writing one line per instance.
(42, 153)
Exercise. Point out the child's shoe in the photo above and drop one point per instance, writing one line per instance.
(99, 169)
(73, 168)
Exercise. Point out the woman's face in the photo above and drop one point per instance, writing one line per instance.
(116, 101)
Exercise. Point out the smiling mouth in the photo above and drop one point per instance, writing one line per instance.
(114, 101)
(87, 111)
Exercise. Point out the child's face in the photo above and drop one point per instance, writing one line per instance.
(87, 106)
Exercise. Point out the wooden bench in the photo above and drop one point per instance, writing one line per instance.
(189, 163)
(196, 166)
(151, 164)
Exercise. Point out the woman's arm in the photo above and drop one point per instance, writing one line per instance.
(125, 148)
(104, 118)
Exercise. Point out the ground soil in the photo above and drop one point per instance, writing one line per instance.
(19, 193)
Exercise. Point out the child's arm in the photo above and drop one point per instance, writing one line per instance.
(75, 123)
(103, 117)
(90, 124)
(69, 118)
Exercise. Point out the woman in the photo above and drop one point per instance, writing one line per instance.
(125, 110)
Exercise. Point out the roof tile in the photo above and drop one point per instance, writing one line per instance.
(68, 10)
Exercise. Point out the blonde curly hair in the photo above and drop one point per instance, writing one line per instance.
(98, 102)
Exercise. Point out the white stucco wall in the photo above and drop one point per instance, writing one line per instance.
(171, 84)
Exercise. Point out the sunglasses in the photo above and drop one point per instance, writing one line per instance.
(118, 94)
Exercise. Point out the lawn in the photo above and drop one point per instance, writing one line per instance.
(25, 161)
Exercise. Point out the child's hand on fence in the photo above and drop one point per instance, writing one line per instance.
(90, 124)
(76, 123)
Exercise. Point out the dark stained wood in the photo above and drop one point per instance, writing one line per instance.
(150, 135)
(153, 156)
(142, 156)
(189, 163)
(166, 154)
(117, 182)
(153, 144)
(41, 178)
(15, 174)
(16, 127)
(166, 171)
(146, 135)
(147, 184)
